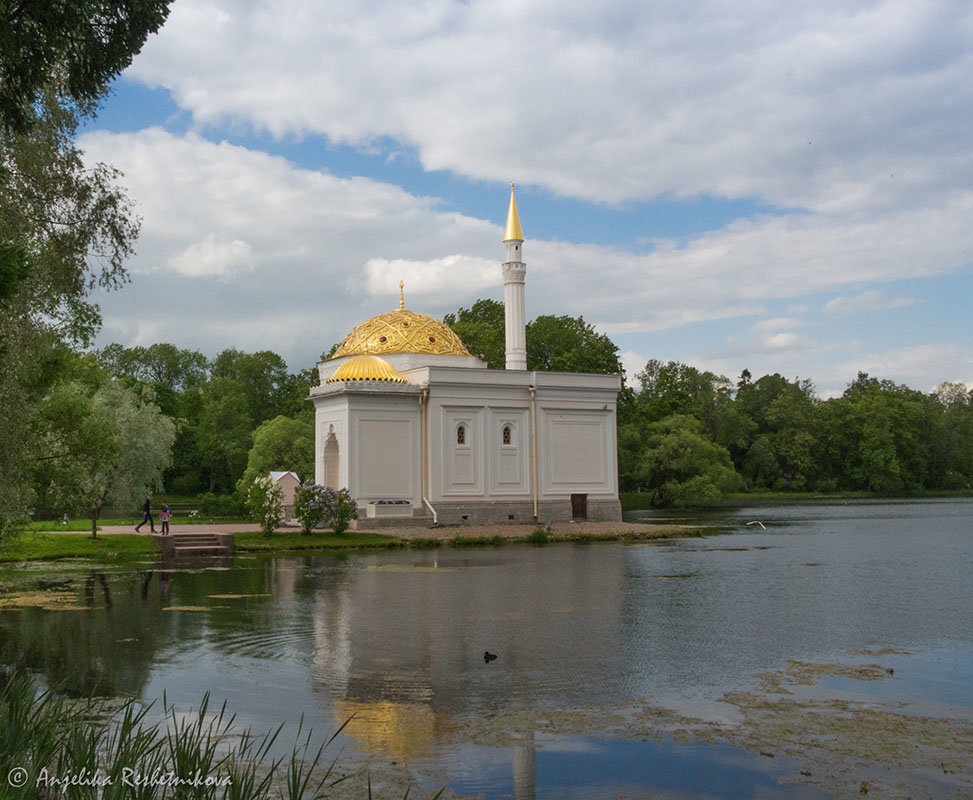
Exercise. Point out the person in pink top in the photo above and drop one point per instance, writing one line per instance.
(164, 518)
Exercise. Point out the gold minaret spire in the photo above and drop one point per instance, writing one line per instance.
(401, 296)
(513, 231)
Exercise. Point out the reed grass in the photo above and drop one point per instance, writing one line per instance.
(94, 749)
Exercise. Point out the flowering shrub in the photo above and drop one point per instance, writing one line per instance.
(316, 505)
(265, 499)
(309, 506)
(340, 510)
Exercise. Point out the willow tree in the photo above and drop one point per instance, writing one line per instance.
(103, 450)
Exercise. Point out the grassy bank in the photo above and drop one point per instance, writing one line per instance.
(642, 500)
(540, 536)
(258, 542)
(32, 546)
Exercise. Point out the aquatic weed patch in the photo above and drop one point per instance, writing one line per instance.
(837, 744)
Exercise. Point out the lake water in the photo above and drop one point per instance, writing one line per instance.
(585, 636)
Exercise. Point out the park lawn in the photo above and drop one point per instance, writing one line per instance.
(80, 524)
(258, 541)
(31, 546)
(85, 524)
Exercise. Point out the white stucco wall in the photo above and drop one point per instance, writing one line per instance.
(382, 435)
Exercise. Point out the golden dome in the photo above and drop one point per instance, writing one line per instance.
(402, 331)
(366, 368)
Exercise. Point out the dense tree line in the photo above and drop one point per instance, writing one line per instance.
(775, 434)
(685, 436)
(239, 414)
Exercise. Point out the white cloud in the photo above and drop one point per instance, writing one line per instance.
(873, 300)
(209, 257)
(633, 363)
(829, 106)
(448, 279)
(921, 366)
(243, 249)
(787, 341)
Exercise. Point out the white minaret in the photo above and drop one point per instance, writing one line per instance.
(514, 308)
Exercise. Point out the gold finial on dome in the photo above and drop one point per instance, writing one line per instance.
(513, 232)
(366, 368)
(401, 295)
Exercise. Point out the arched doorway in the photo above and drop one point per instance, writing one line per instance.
(331, 461)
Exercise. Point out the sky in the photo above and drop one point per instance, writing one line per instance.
(778, 187)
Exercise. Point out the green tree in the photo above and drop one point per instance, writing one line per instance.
(679, 466)
(785, 423)
(481, 329)
(877, 437)
(65, 228)
(560, 344)
(951, 445)
(569, 344)
(282, 443)
(103, 450)
(223, 433)
(78, 44)
(263, 376)
(163, 364)
(761, 467)
(293, 394)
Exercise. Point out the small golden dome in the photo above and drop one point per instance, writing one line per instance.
(366, 368)
(401, 331)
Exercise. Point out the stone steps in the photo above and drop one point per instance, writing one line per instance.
(194, 544)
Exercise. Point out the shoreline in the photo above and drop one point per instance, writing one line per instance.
(117, 543)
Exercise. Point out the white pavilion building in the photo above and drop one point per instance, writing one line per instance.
(419, 431)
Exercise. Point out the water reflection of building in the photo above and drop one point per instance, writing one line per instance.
(399, 641)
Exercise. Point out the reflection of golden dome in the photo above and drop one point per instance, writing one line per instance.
(404, 730)
(402, 331)
(366, 368)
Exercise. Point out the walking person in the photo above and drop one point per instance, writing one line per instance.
(146, 515)
(164, 518)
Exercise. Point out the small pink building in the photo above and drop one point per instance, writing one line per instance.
(288, 482)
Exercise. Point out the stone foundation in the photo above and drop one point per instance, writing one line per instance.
(494, 513)
(499, 513)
